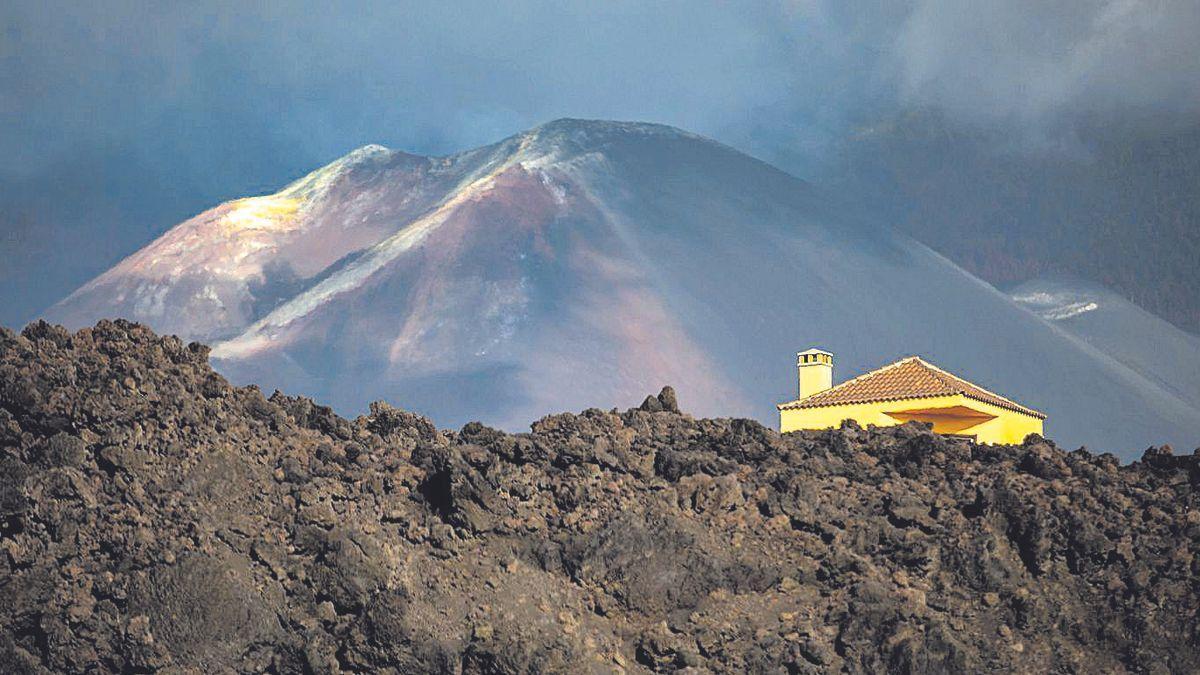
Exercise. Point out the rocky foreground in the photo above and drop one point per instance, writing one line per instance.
(154, 517)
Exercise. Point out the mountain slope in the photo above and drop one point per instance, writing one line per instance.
(211, 275)
(1119, 329)
(583, 263)
(1114, 202)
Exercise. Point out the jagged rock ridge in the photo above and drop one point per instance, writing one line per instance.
(152, 516)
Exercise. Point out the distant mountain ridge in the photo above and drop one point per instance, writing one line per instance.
(589, 261)
(1114, 203)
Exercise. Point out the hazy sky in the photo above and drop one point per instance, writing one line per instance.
(120, 118)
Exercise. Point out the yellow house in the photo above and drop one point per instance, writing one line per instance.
(909, 389)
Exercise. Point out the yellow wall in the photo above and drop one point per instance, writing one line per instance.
(987, 422)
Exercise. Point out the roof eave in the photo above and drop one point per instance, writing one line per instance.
(798, 405)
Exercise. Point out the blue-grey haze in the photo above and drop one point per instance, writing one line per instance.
(120, 118)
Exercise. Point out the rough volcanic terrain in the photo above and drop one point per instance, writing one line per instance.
(153, 517)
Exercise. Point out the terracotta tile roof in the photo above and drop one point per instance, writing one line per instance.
(907, 378)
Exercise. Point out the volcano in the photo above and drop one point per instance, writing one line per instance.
(587, 262)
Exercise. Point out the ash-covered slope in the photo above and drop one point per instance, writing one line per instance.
(583, 263)
(1120, 330)
(153, 516)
